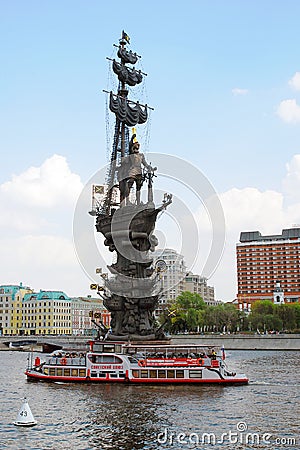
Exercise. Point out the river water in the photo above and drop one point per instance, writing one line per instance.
(261, 415)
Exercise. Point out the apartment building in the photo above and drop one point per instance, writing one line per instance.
(176, 279)
(11, 297)
(83, 310)
(198, 285)
(172, 278)
(266, 262)
(25, 312)
(46, 312)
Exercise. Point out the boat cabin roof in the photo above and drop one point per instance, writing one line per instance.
(128, 348)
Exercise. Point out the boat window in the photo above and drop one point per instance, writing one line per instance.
(179, 373)
(102, 374)
(135, 373)
(195, 373)
(105, 359)
(109, 348)
(67, 372)
(59, 372)
(153, 373)
(74, 372)
(112, 358)
(46, 371)
(97, 347)
(121, 375)
(82, 372)
(170, 373)
(132, 359)
(161, 374)
(51, 371)
(113, 375)
(144, 373)
(93, 374)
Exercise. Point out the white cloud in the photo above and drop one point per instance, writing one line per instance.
(42, 262)
(291, 182)
(289, 111)
(31, 198)
(294, 82)
(250, 208)
(36, 228)
(51, 184)
(239, 91)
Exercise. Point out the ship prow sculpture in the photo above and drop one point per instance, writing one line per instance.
(132, 291)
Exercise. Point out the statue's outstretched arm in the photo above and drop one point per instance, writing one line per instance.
(148, 166)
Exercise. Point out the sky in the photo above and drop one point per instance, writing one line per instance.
(223, 78)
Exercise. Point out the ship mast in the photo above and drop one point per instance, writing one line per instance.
(132, 292)
(125, 114)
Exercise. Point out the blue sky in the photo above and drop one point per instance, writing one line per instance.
(222, 77)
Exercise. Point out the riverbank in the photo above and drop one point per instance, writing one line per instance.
(285, 342)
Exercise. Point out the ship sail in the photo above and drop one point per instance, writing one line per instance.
(127, 56)
(127, 75)
(130, 115)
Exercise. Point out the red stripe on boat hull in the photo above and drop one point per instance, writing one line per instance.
(39, 377)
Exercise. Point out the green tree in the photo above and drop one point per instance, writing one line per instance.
(266, 316)
(188, 310)
(222, 317)
(263, 307)
(297, 315)
(287, 314)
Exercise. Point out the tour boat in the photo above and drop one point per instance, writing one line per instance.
(134, 363)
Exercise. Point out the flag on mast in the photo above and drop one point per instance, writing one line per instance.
(125, 37)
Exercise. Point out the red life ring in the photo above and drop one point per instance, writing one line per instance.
(63, 361)
(200, 362)
(142, 363)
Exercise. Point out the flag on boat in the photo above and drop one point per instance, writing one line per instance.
(223, 352)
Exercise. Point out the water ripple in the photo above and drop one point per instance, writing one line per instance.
(124, 417)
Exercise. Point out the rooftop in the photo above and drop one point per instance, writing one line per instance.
(254, 236)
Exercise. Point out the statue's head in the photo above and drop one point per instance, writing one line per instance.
(134, 147)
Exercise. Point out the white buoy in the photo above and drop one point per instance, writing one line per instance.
(25, 417)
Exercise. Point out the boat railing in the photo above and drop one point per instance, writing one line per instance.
(177, 362)
(66, 361)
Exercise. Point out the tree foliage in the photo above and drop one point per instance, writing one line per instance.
(267, 316)
(189, 313)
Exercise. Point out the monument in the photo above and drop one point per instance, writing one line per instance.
(131, 292)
